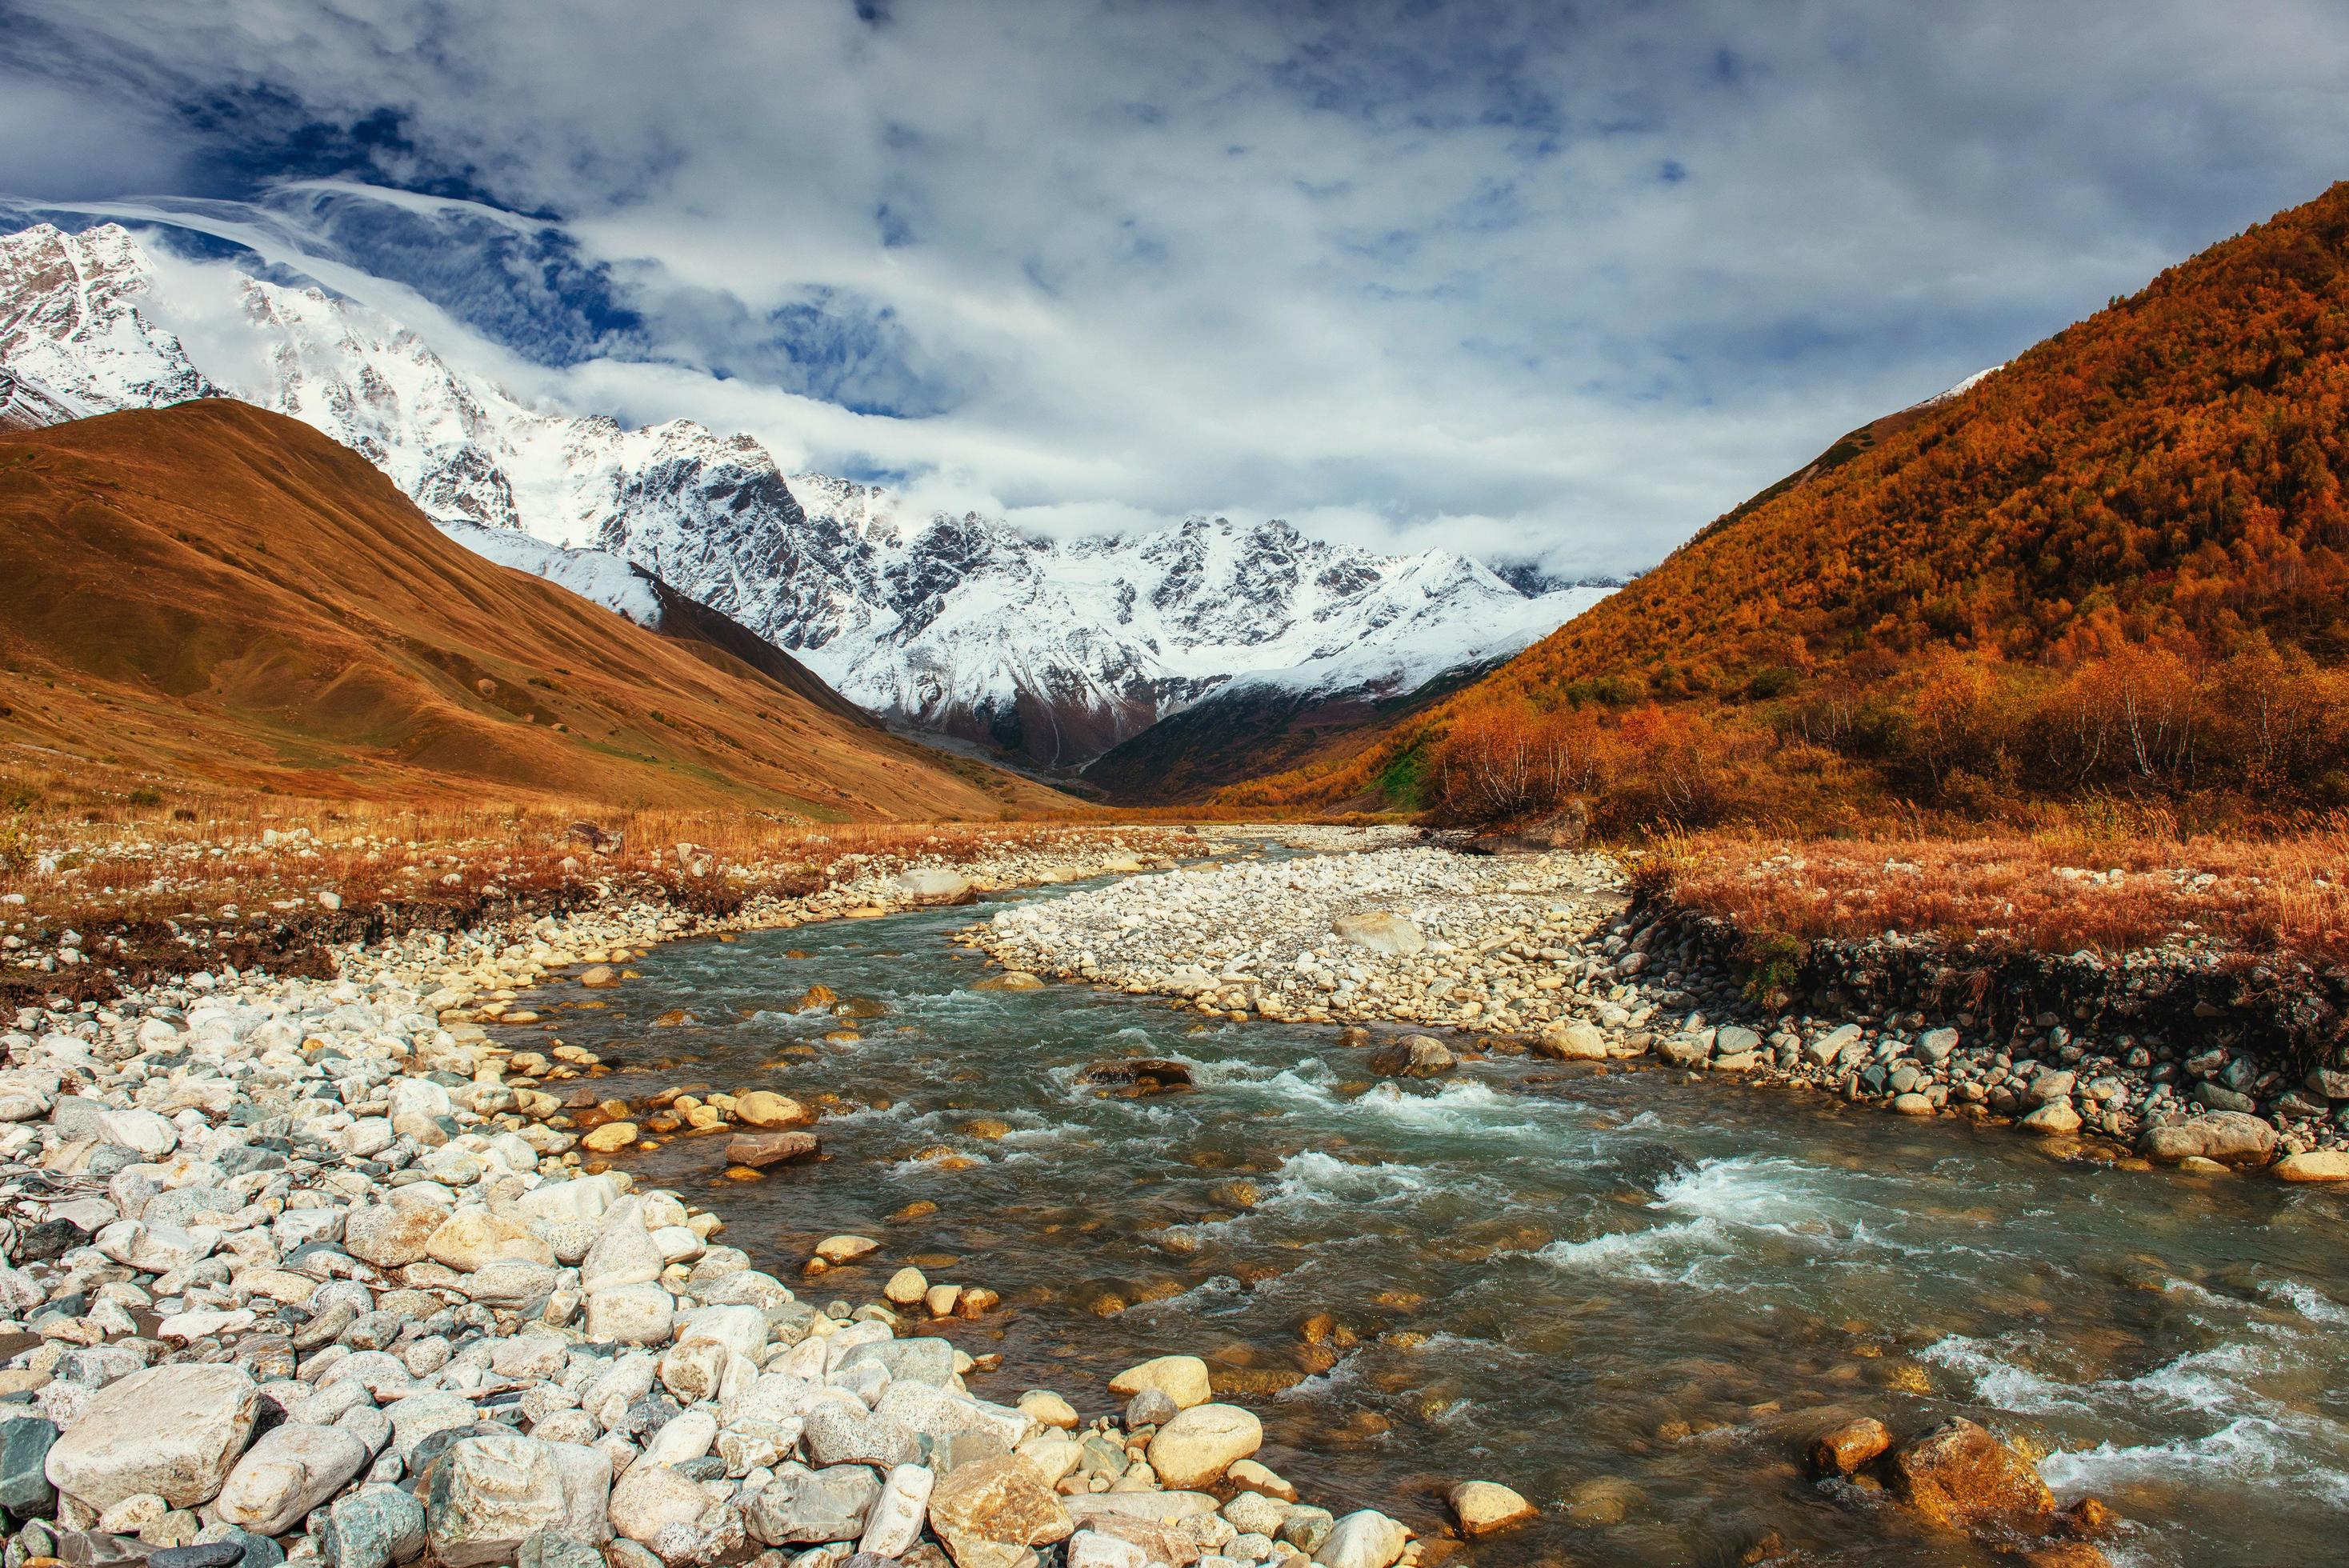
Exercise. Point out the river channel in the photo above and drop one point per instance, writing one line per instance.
(1621, 1294)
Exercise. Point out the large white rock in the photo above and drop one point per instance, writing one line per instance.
(157, 1248)
(1393, 934)
(474, 1238)
(174, 1430)
(631, 1315)
(625, 1252)
(291, 1470)
(141, 1129)
(1201, 1443)
(896, 1521)
(1365, 1539)
(1093, 1549)
(684, 1436)
(650, 1498)
(1182, 1379)
(487, 1494)
(584, 1197)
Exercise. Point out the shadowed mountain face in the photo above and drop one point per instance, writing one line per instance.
(225, 595)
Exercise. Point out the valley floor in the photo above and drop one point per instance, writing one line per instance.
(338, 1195)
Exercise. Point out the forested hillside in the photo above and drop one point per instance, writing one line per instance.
(2116, 567)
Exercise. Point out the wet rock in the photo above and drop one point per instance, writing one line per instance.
(1182, 1379)
(840, 1250)
(610, 1138)
(1201, 1443)
(759, 1150)
(1572, 1042)
(1381, 931)
(1684, 1051)
(2056, 1118)
(1842, 1449)
(1010, 980)
(2315, 1165)
(1481, 1507)
(1248, 1475)
(1146, 1075)
(173, 1431)
(1961, 1475)
(2228, 1137)
(1415, 1055)
(764, 1108)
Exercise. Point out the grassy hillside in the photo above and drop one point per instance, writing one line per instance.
(223, 596)
(2115, 570)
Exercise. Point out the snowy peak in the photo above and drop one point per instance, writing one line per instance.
(957, 623)
(69, 320)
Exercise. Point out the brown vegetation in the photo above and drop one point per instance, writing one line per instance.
(2117, 888)
(223, 598)
(2117, 568)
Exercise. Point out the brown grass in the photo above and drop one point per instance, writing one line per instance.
(2058, 891)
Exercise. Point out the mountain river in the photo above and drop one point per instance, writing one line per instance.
(1616, 1293)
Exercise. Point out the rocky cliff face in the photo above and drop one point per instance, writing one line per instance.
(961, 626)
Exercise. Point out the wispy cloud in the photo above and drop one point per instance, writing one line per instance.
(1518, 277)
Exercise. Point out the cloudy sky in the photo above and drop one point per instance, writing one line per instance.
(1547, 280)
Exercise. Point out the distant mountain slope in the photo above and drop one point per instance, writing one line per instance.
(956, 624)
(1260, 723)
(2121, 562)
(225, 595)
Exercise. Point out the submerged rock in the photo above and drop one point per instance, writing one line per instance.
(1144, 1075)
(1961, 1475)
(1481, 1507)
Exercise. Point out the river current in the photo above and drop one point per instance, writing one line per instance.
(1623, 1295)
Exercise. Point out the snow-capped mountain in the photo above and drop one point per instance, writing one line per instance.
(957, 625)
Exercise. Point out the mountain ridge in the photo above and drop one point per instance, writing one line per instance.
(961, 626)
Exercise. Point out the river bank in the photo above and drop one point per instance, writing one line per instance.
(316, 1269)
(1547, 952)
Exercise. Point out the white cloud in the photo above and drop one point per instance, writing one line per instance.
(1403, 274)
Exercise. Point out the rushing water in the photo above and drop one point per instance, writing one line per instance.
(1617, 1293)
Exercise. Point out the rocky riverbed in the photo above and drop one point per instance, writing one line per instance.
(316, 1270)
(1546, 952)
